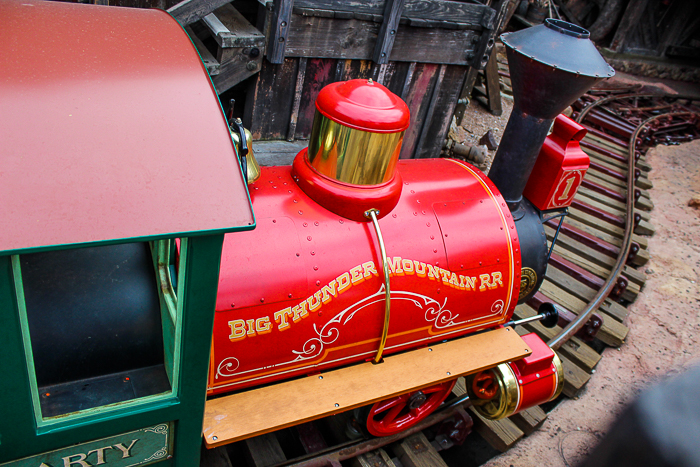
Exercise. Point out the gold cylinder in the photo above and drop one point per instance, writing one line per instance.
(353, 156)
(506, 400)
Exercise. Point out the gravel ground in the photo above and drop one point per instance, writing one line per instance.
(477, 122)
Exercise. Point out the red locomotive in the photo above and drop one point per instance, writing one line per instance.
(358, 255)
(368, 280)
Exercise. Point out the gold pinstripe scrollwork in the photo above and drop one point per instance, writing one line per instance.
(528, 280)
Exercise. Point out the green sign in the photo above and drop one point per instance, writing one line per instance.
(140, 447)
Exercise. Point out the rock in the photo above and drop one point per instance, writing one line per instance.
(489, 140)
(694, 201)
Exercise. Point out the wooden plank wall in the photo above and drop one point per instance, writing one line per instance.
(434, 43)
(270, 104)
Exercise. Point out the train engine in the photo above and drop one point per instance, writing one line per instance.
(358, 256)
(144, 305)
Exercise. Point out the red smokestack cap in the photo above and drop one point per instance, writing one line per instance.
(363, 105)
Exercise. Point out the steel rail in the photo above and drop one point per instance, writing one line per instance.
(582, 114)
(574, 326)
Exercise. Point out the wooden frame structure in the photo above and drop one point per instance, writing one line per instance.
(426, 51)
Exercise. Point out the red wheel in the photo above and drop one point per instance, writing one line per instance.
(394, 415)
(485, 385)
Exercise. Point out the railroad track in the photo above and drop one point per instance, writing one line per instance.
(593, 274)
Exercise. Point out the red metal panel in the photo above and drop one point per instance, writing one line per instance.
(537, 375)
(349, 103)
(560, 167)
(110, 129)
(323, 304)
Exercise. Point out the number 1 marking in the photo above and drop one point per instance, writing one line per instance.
(569, 184)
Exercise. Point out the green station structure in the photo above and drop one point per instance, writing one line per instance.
(117, 162)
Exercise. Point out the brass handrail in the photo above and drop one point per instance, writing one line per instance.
(372, 214)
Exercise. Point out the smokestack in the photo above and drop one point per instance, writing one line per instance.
(551, 65)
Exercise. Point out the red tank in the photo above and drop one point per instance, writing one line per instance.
(304, 291)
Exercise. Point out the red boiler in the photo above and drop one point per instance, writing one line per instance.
(305, 290)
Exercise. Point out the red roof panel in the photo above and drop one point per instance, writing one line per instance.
(109, 129)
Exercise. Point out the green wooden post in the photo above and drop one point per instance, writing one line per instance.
(16, 428)
(199, 299)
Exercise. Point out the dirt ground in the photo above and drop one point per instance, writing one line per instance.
(477, 122)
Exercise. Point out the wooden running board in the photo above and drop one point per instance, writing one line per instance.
(262, 410)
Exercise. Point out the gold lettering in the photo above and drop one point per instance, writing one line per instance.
(485, 281)
(251, 327)
(569, 182)
(470, 282)
(453, 280)
(68, 460)
(356, 275)
(369, 269)
(299, 311)
(407, 266)
(445, 275)
(100, 454)
(313, 306)
(496, 279)
(395, 265)
(433, 272)
(263, 325)
(420, 268)
(125, 451)
(281, 318)
(237, 329)
(329, 290)
(343, 282)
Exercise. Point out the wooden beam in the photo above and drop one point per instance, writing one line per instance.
(630, 19)
(407, 82)
(479, 58)
(416, 451)
(492, 25)
(301, 71)
(433, 10)
(211, 63)
(429, 115)
(442, 118)
(279, 30)
(493, 86)
(381, 76)
(529, 420)
(387, 32)
(263, 451)
(377, 458)
(466, 93)
(249, 413)
(317, 37)
(500, 434)
(189, 11)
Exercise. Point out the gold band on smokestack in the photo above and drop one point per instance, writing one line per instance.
(353, 156)
(357, 132)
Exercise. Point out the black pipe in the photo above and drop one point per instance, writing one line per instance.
(517, 154)
(551, 65)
